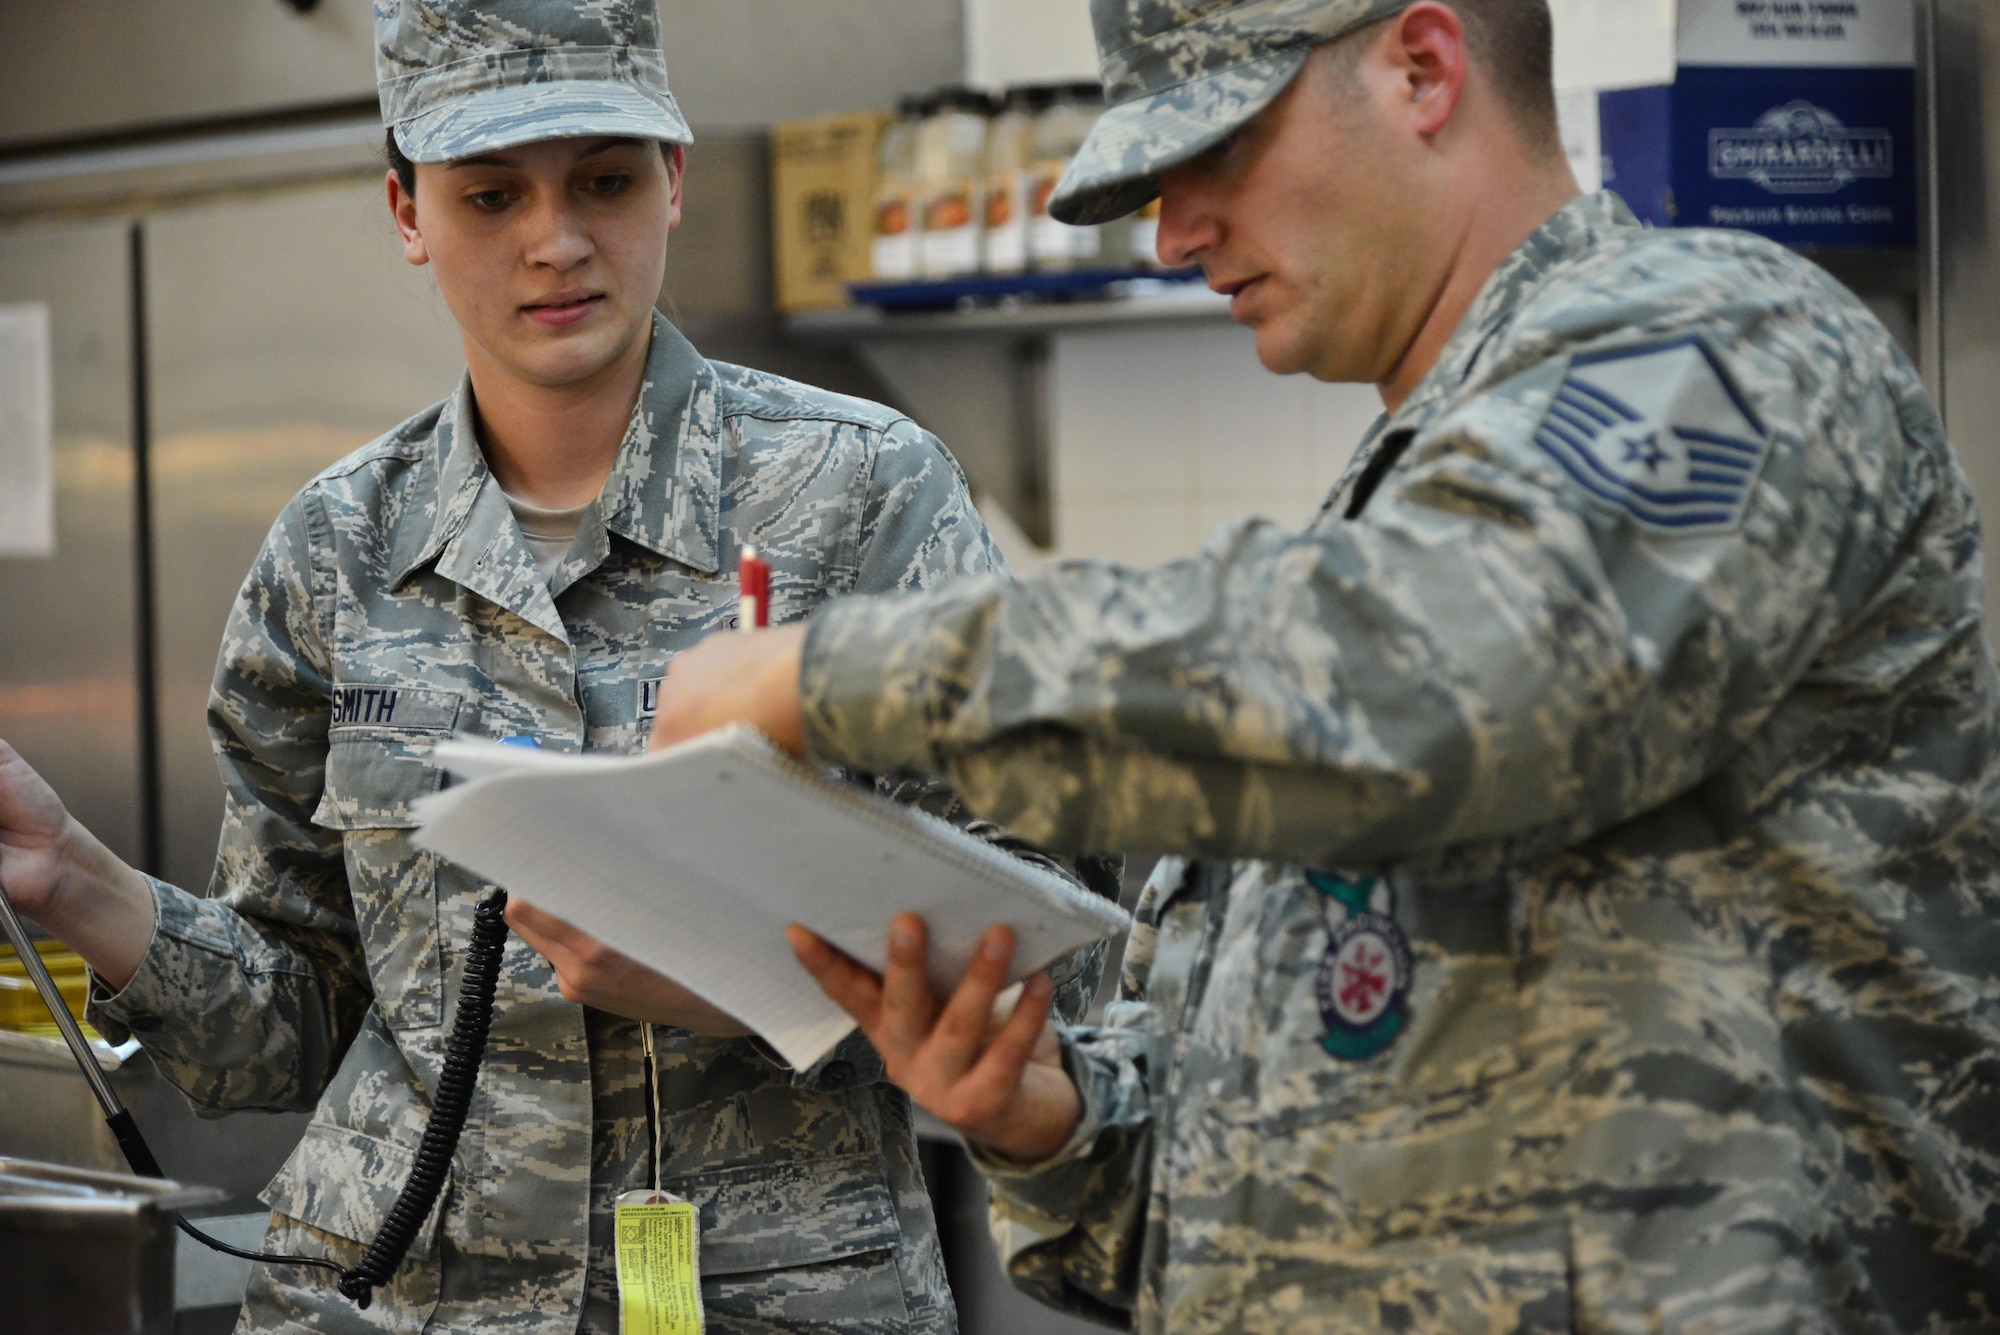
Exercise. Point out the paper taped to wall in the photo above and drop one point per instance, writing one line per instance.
(693, 859)
(27, 432)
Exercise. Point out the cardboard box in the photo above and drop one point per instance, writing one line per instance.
(822, 207)
(1795, 119)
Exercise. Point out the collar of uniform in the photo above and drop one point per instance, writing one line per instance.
(665, 488)
(664, 485)
(461, 472)
(1569, 232)
(473, 537)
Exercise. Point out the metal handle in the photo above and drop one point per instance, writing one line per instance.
(72, 1033)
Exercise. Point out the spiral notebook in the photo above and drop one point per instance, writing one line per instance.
(692, 859)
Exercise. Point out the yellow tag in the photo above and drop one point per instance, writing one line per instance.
(659, 1268)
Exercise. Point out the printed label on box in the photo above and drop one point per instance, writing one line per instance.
(1828, 34)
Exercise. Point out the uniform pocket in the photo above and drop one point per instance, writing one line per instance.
(328, 1201)
(811, 1242)
(374, 778)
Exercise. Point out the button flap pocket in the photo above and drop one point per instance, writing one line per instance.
(374, 779)
(803, 1212)
(373, 784)
(345, 1182)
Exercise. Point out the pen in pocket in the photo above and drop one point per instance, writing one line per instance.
(753, 577)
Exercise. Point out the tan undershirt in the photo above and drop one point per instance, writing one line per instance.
(549, 532)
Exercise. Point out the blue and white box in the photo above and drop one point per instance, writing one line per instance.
(1795, 119)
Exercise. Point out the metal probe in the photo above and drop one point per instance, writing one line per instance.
(427, 1178)
(126, 1131)
(137, 1152)
(72, 1033)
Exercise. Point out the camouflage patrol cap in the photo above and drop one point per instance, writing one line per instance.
(1180, 76)
(458, 78)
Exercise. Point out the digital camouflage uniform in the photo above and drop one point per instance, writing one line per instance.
(396, 603)
(1619, 751)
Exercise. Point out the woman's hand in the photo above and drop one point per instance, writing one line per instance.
(56, 872)
(591, 973)
(34, 836)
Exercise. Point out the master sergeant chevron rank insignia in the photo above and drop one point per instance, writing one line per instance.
(1660, 432)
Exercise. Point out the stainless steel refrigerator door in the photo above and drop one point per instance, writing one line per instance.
(285, 332)
(69, 691)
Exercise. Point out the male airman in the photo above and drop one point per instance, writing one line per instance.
(1615, 755)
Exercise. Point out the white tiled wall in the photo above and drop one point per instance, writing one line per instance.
(1160, 434)
(1027, 41)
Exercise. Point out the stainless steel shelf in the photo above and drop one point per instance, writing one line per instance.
(979, 377)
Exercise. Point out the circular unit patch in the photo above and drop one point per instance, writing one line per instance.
(1364, 985)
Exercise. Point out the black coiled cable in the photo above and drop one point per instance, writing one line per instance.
(433, 1160)
(454, 1100)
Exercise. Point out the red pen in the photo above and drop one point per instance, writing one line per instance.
(753, 577)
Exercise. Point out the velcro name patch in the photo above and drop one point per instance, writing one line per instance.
(401, 708)
(1660, 432)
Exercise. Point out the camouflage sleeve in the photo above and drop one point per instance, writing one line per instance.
(1491, 652)
(1070, 1230)
(919, 531)
(247, 999)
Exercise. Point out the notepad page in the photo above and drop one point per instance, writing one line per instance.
(692, 861)
(663, 911)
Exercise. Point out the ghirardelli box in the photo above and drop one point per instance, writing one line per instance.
(1792, 118)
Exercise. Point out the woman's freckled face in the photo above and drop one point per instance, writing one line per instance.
(550, 255)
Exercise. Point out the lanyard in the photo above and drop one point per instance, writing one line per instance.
(652, 1116)
(658, 1242)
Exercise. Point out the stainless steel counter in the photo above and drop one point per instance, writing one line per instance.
(87, 1253)
(47, 1114)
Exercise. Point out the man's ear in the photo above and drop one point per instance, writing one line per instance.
(1428, 43)
(676, 156)
(403, 208)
